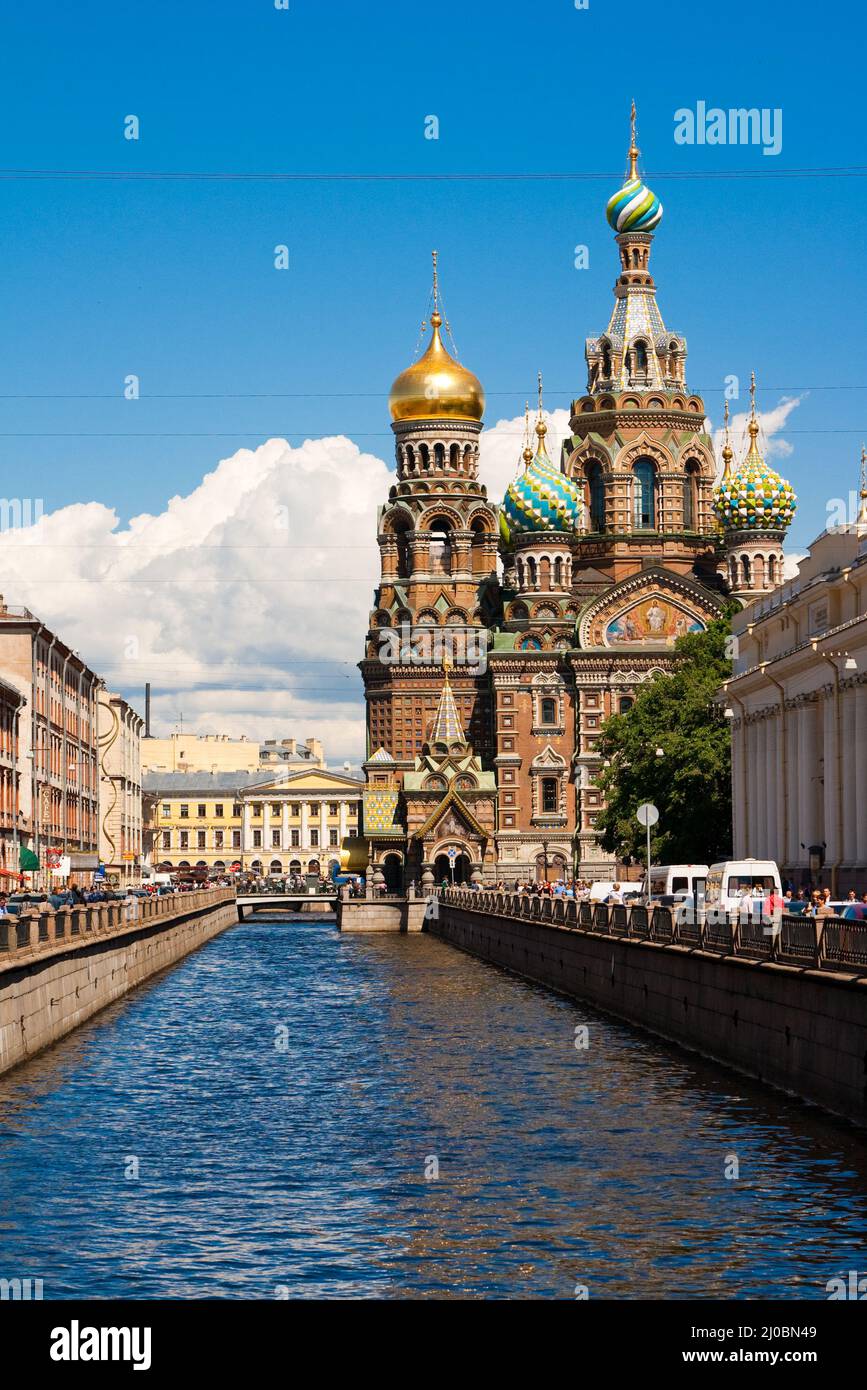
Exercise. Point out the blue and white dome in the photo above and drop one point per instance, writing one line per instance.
(541, 498)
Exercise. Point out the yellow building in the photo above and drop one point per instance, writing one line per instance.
(229, 821)
(219, 753)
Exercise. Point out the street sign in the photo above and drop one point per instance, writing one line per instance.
(647, 814)
(452, 853)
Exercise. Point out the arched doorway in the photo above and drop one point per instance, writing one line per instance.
(549, 868)
(276, 866)
(443, 869)
(392, 870)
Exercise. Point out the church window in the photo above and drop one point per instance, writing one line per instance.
(549, 711)
(626, 703)
(644, 495)
(549, 795)
(440, 548)
(745, 569)
(690, 497)
(596, 496)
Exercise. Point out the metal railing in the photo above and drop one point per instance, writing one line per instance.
(45, 928)
(831, 943)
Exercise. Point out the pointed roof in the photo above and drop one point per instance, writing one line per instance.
(381, 756)
(451, 798)
(447, 727)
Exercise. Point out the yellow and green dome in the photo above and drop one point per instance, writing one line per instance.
(754, 497)
(634, 208)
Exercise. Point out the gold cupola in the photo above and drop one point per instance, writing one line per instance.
(436, 387)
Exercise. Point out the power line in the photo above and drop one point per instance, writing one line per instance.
(341, 395)
(570, 176)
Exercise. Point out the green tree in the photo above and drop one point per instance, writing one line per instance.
(690, 784)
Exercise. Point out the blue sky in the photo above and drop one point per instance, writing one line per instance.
(174, 281)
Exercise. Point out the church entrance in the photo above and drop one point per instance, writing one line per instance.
(443, 869)
(392, 870)
(549, 868)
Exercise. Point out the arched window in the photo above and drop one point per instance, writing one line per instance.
(549, 711)
(439, 455)
(772, 569)
(596, 496)
(690, 497)
(606, 362)
(440, 547)
(745, 569)
(401, 531)
(626, 703)
(644, 495)
(550, 796)
(640, 356)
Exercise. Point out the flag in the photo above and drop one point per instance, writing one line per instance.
(27, 860)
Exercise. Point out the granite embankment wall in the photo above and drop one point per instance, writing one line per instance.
(59, 968)
(787, 1006)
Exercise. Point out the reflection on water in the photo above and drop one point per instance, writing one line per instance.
(285, 1090)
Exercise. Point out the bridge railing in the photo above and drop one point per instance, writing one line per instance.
(833, 943)
(44, 928)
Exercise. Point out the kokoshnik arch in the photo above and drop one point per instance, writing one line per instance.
(607, 558)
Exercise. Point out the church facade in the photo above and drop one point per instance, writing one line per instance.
(503, 635)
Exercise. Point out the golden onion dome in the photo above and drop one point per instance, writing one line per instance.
(436, 387)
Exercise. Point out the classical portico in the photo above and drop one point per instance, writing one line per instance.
(798, 705)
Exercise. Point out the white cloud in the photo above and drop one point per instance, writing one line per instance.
(771, 422)
(244, 602)
(500, 454)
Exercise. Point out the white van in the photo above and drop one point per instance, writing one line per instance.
(668, 879)
(726, 882)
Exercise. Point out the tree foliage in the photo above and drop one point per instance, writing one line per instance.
(690, 784)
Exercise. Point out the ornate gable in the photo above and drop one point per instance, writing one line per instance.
(650, 609)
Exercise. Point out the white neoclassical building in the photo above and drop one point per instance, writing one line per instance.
(798, 708)
(300, 822)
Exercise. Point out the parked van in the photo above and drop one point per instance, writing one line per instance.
(726, 882)
(668, 880)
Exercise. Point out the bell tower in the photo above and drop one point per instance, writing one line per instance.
(437, 537)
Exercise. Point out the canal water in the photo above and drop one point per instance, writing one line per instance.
(290, 1112)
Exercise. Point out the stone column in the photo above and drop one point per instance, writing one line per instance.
(739, 826)
(831, 786)
(809, 769)
(267, 852)
(324, 847)
(860, 693)
(850, 782)
(343, 818)
(793, 715)
(305, 828)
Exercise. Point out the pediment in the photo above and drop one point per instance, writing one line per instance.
(649, 611)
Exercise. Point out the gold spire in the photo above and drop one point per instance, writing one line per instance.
(528, 452)
(727, 448)
(436, 387)
(753, 455)
(541, 427)
(634, 151)
(862, 511)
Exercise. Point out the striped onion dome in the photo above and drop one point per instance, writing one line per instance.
(541, 498)
(754, 497)
(634, 208)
